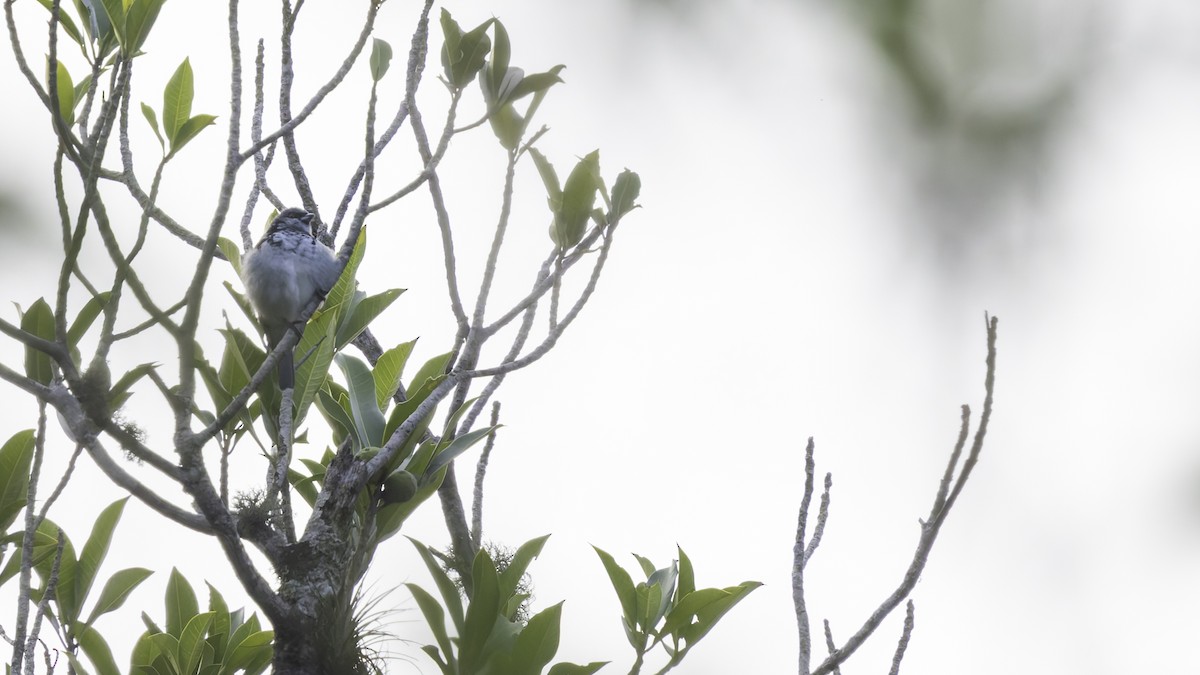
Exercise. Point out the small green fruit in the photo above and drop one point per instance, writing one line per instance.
(399, 487)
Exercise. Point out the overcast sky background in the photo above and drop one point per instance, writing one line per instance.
(811, 260)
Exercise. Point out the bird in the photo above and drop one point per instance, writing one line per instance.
(282, 274)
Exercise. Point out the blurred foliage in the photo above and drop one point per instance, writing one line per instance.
(989, 89)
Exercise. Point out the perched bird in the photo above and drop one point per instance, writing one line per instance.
(282, 273)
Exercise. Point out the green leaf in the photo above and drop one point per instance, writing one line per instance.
(86, 317)
(120, 390)
(381, 58)
(578, 198)
(191, 641)
(97, 651)
(181, 603)
(66, 94)
(435, 618)
(687, 577)
(317, 344)
(511, 576)
(508, 125)
(16, 458)
(94, 550)
(538, 642)
(189, 130)
(38, 320)
(457, 447)
(168, 649)
(81, 89)
(232, 253)
(623, 585)
(222, 623)
(576, 669)
(624, 195)
(549, 179)
(177, 101)
(249, 651)
(497, 67)
(463, 54)
(536, 82)
(114, 13)
(149, 114)
(648, 567)
(65, 21)
(139, 19)
(708, 608)
(446, 586)
(340, 297)
(117, 589)
(368, 420)
(336, 412)
(481, 613)
(388, 371)
(363, 313)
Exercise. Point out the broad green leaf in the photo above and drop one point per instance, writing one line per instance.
(457, 447)
(473, 52)
(97, 651)
(578, 198)
(44, 545)
(339, 298)
(622, 584)
(120, 389)
(232, 253)
(576, 669)
(249, 651)
(139, 19)
(38, 320)
(337, 413)
(304, 485)
(368, 420)
(363, 313)
(388, 371)
(538, 642)
(392, 516)
(81, 89)
(316, 348)
(549, 179)
(64, 20)
(709, 613)
(497, 68)
(177, 101)
(447, 588)
(687, 577)
(508, 125)
(381, 58)
(435, 618)
(114, 14)
(481, 613)
(222, 622)
(16, 458)
(451, 39)
(117, 589)
(86, 317)
(648, 567)
(664, 580)
(624, 195)
(511, 576)
(189, 130)
(94, 550)
(168, 649)
(536, 82)
(66, 94)
(191, 641)
(180, 602)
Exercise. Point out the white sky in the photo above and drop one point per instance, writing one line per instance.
(773, 287)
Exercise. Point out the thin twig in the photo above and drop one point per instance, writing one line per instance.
(937, 517)
(822, 516)
(480, 472)
(798, 599)
(904, 638)
(830, 645)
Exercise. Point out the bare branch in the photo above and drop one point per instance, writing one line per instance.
(904, 638)
(822, 516)
(830, 645)
(931, 528)
(798, 599)
(480, 473)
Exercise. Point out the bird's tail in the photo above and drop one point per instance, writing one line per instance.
(287, 370)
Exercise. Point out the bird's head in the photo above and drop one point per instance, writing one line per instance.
(293, 219)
